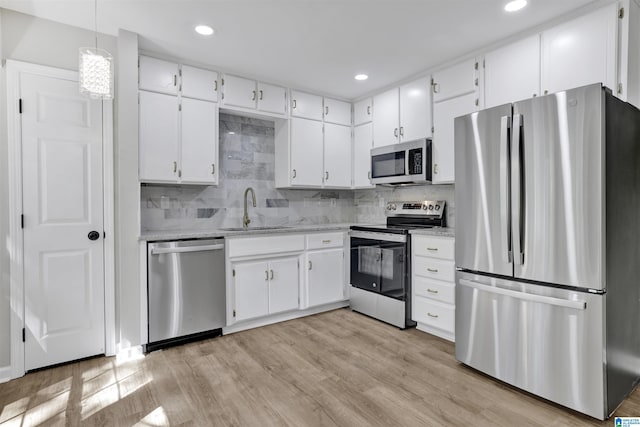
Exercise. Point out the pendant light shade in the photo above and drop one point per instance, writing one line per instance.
(96, 73)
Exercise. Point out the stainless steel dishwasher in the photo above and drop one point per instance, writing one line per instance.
(186, 291)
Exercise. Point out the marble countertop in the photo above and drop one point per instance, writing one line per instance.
(443, 232)
(203, 234)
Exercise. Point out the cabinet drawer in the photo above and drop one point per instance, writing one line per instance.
(434, 289)
(434, 313)
(434, 268)
(433, 246)
(265, 245)
(325, 240)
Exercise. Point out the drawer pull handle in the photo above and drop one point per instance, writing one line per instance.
(433, 249)
(326, 241)
(433, 291)
(435, 316)
(271, 276)
(266, 275)
(432, 270)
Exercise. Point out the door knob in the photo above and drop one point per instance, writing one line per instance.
(93, 235)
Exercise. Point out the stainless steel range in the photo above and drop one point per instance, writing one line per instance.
(380, 260)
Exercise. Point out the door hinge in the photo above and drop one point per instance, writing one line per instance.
(20, 106)
(477, 102)
(476, 66)
(234, 273)
(483, 64)
(223, 81)
(104, 234)
(619, 88)
(21, 221)
(621, 13)
(179, 107)
(234, 313)
(432, 129)
(24, 335)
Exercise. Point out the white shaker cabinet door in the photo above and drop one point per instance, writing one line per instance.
(158, 131)
(306, 105)
(444, 114)
(157, 75)
(386, 117)
(415, 110)
(251, 286)
(338, 112)
(306, 152)
(581, 51)
(199, 83)
(199, 145)
(362, 144)
(454, 81)
(325, 277)
(512, 73)
(362, 111)
(272, 99)
(337, 156)
(238, 92)
(283, 285)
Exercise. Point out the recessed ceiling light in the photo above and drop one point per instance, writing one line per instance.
(205, 30)
(514, 5)
(361, 77)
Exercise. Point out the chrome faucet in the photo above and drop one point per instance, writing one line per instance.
(245, 218)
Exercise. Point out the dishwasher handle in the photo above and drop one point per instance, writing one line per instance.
(158, 251)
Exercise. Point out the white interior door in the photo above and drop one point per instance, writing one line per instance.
(62, 207)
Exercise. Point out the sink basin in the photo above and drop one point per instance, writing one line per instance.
(254, 228)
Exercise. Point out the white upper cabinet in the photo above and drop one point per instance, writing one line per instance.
(457, 80)
(338, 112)
(415, 110)
(512, 73)
(337, 156)
(362, 144)
(272, 99)
(199, 142)
(362, 111)
(238, 92)
(581, 51)
(306, 153)
(157, 75)
(158, 145)
(386, 118)
(402, 114)
(199, 84)
(306, 105)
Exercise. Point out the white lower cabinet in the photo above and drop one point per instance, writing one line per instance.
(325, 275)
(433, 285)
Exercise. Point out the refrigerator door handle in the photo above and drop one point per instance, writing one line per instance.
(505, 181)
(517, 190)
(558, 302)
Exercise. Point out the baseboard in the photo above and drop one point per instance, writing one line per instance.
(263, 321)
(5, 374)
(437, 332)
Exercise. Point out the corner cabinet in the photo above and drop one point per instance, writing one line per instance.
(433, 285)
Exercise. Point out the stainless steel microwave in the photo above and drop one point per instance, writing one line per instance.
(404, 163)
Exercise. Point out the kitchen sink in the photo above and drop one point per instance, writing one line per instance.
(254, 228)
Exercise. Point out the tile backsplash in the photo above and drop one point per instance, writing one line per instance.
(247, 160)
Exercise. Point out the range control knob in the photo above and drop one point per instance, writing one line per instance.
(388, 206)
(437, 207)
(424, 207)
(430, 207)
(393, 207)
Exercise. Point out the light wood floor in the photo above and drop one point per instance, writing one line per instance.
(333, 369)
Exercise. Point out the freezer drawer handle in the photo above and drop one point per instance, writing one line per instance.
(432, 270)
(435, 316)
(576, 305)
(158, 251)
(433, 249)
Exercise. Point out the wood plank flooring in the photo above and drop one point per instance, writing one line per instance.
(333, 369)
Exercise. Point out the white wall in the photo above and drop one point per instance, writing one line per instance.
(29, 39)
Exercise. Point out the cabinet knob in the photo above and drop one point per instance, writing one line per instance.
(401, 130)
(213, 169)
(261, 95)
(326, 176)
(395, 132)
(271, 277)
(175, 167)
(253, 96)
(294, 104)
(310, 265)
(294, 173)
(215, 85)
(266, 275)
(326, 110)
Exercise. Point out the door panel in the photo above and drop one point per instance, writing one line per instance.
(386, 116)
(239, 92)
(251, 290)
(337, 156)
(482, 197)
(158, 137)
(306, 152)
(562, 195)
(362, 144)
(199, 148)
(283, 286)
(62, 202)
(272, 99)
(325, 278)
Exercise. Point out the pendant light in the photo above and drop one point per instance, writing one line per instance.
(96, 68)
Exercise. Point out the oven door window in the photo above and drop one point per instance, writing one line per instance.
(390, 164)
(378, 266)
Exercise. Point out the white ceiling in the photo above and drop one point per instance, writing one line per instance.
(310, 44)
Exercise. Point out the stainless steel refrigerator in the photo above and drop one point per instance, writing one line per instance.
(548, 246)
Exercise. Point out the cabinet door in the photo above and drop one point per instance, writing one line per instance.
(306, 153)
(283, 285)
(272, 99)
(337, 156)
(362, 111)
(251, 285)
(386, 118)
(306, 105)
(443, 143)
(200, 84)
(581, 51)
(512, 72)
(325, 277)
(415, 110)
(455, 81)
(338, 112)
(199, 144)
(238, 92)
(157, 75)
(362, 144)
(158, 127)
